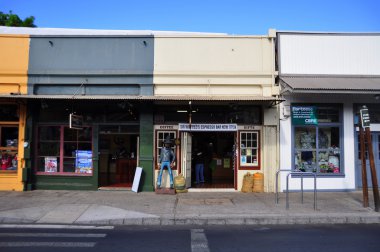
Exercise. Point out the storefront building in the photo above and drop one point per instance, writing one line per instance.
(14, 53)
(89, 122)
(325, 79)
(100, 103)
(218, 100)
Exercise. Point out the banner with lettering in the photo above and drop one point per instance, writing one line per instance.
(304, 115)
(207, 127)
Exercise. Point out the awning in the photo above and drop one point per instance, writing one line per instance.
(331, 84)
(144, 97)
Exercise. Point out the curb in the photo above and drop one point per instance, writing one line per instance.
(273, 220)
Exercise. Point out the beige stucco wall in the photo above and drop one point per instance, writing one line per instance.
(214, 65)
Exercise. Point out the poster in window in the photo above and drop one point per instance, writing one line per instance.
(226, 163)
(243, 159)
(249, 152)
(83, 161)
(218, 162)
(51, 164)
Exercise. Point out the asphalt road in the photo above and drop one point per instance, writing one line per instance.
(308, 238)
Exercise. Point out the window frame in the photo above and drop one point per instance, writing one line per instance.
(339, 124)
(61, 157)
(249, 166)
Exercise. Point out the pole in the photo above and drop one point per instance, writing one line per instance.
(375, 187)
(364, 167)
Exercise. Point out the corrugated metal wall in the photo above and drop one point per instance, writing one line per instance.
(335, 54)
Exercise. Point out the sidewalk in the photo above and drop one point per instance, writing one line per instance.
(193, 208)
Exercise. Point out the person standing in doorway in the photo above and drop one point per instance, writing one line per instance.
(199, 167)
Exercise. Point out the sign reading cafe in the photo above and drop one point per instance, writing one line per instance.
(304, 115)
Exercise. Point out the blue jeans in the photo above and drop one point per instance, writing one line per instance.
(199, 168)
(163, 164)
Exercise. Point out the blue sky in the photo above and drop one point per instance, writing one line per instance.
(227, 16)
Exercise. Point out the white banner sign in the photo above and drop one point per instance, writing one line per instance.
(207, 127)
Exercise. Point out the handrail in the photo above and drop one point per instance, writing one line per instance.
(287, 186)
(302, 174)
(278, 171)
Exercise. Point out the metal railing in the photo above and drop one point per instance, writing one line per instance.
(301, 174)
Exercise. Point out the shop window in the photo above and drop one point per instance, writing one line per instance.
(317, 147)
(62, 150)
(249, 149)
(8, 147)
(161, 136)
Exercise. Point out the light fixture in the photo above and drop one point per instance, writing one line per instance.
(377, 97)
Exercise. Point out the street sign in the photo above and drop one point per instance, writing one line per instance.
(364, 117)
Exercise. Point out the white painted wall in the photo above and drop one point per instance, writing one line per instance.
(333, 183)
(336, 54)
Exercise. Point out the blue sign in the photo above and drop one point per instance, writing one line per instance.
(83, 161)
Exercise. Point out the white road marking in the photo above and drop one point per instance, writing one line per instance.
(199, 241)
(54, 226)
(48, 244)
(71, 235)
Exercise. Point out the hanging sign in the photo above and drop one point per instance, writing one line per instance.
(304, 115)
(208, 127)
(364, 117)
(76, 121)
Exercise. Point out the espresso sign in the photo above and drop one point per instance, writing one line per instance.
(207, 127)
(304, 115)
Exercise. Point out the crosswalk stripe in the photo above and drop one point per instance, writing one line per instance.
(71, 235)
(54, 226)
(48, 244)
(199, 241)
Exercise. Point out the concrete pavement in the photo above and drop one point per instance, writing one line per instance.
(193, 208)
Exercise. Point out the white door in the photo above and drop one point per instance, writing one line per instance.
(186, 157)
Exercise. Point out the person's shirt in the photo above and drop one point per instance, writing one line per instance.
(167, 155)
(199, 158)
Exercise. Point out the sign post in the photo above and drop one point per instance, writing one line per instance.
(365, 123)
(364, 165)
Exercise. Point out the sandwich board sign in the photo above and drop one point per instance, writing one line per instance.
(136, 179)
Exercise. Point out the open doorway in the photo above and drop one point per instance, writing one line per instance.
(117, 159)
(215, 150)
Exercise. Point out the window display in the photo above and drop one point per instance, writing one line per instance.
(249, 148)
(8, 147)
(317, 147)
(58, 148)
